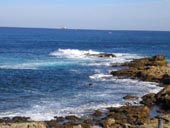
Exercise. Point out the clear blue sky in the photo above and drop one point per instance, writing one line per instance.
(87, 14)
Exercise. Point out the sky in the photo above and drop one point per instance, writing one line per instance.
(87, 14)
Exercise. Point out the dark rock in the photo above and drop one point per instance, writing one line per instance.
(90, 84)
(20, 119)
(102, 55)
(72, 118)
(106, 55)
(87, 123)
(163, 98)
(97, 113)
(59, 119)
(16, 119)
(148, 99)
(128, 97)
(166, 79)
(5, 119)
(158, 58)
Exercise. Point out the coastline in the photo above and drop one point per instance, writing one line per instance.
(153, 69)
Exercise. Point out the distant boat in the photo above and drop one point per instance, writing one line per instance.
(64, 28)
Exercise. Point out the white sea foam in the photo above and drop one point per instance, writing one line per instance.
(90, 55)
(73, 53)
(33, 65)
(82, 54)
(86, 101)
(44, 113)
(100, 76)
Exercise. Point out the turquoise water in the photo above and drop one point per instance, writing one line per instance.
(46, 72)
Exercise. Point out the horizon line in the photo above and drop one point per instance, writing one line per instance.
(90, 29)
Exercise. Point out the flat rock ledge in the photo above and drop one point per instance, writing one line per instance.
(153, 69)
(24, 125)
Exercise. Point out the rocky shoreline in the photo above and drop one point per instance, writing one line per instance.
(153, 69)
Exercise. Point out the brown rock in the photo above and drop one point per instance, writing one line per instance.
(130, 114)
(146, 69)
(24, 125)
(158, 58)
(109, 122)
(72, 118)
(128, 97)
(53, 124)
(88, 123)
(77, 126)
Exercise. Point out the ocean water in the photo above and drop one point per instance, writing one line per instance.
(47, 72)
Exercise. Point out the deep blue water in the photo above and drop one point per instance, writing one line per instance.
(46, 72)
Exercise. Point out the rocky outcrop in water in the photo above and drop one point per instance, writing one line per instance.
(102, 55)
(153, 69)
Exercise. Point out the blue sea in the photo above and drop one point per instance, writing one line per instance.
(48, 72)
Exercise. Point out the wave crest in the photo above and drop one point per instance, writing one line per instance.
(73, 53)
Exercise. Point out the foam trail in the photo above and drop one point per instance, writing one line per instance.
(73, 53)
(90, 55)
(34, 65)
(109, 96)
(100, 76)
